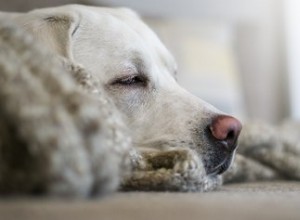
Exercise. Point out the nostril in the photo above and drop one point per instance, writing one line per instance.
(230, 135)
(226, 129)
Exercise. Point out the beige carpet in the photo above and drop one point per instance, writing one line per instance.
(242, 201)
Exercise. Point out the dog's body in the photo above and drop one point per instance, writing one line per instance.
(138, 74)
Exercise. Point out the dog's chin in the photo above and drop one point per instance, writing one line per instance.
(221, 167)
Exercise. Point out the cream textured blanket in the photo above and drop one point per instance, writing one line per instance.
(61, 135)
(55, 137)
(267, 153)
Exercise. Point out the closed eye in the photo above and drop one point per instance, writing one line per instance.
(139, 80)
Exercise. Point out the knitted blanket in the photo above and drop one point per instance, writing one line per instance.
(60, 134)
(55, 137)
(267, 152)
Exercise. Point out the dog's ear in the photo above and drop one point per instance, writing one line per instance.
(54, 30)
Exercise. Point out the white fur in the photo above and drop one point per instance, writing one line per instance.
(112, 43)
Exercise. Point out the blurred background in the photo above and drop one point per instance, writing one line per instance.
(240, 55)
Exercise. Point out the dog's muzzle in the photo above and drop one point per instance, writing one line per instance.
(223, 133)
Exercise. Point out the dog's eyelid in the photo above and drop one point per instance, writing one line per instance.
(137, 80)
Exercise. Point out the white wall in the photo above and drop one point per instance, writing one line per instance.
(292, 21)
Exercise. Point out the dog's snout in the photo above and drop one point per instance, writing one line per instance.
(226, 129)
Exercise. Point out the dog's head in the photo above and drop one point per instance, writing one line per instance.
(139, 74)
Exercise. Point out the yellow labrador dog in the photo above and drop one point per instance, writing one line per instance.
(139, 74)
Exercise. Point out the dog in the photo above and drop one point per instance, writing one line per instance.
(139, 74)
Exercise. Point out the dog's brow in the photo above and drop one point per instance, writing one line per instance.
(60, 18)
(139, 63)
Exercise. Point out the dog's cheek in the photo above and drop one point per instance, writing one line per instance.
(127, 100)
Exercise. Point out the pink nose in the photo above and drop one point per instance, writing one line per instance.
(226, 129)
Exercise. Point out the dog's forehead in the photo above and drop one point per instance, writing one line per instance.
(122, 31)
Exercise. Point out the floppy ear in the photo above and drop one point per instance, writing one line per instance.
(53, 29)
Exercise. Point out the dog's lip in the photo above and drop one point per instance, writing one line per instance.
(220, 168)
(217, 171)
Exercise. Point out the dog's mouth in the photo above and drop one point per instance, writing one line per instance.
(220, 167)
